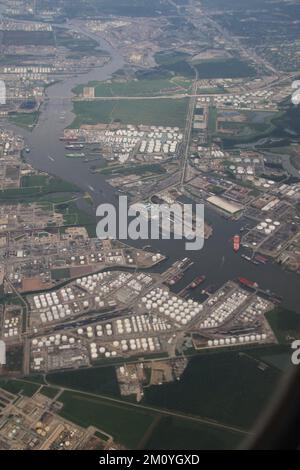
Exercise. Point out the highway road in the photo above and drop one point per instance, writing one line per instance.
(188, 129)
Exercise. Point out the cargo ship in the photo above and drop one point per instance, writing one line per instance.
(261, 259)
(74, 147)
(245, 282)
(185, 292)
(276, 299)
(68, 139)
(185, 264)
(197, 281)
(251, 260)
(174, 279)
(75, 155)
(236, 243)
(209, 290)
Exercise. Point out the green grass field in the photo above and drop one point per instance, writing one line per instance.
(224, 68)
(18, 386)
(49, 392)
(34, 187)
(139, 428)
(161, 112)
(227, 387)
(99, 380)
(285, 324)
(169, 57)
(212, 120)
(124, 422)
(132, 169)
(177, 433)
(75, 216)
(295, 161)
(25, 120)
(138, 87)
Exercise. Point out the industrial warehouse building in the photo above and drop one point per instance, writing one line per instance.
(224, 204)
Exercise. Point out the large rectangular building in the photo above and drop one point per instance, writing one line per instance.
(225, 205)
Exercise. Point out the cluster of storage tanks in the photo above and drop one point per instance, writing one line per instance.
(268, 185)
(53, 340)
(165, 139)
(174, 308)
(247, 100)
(222, 312)
(59, 341)
(89, 283)
(156, 258)
(98, 331)
(11, 327)
(14, 278)
(216, 297)
(255, 338)
(57, 305)
(241, 170)
(97, 258)
(257, 308)
(125, 139)
(56, 310)
(140, 324)
(268, 226)
(117, 282)
(117, 348)
(81, 259)
(156, 146)
(26, 70)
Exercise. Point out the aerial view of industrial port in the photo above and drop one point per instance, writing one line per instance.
(149, 228)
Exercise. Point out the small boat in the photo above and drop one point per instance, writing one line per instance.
(247, 258)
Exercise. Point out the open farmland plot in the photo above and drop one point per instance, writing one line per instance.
(160, 112)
